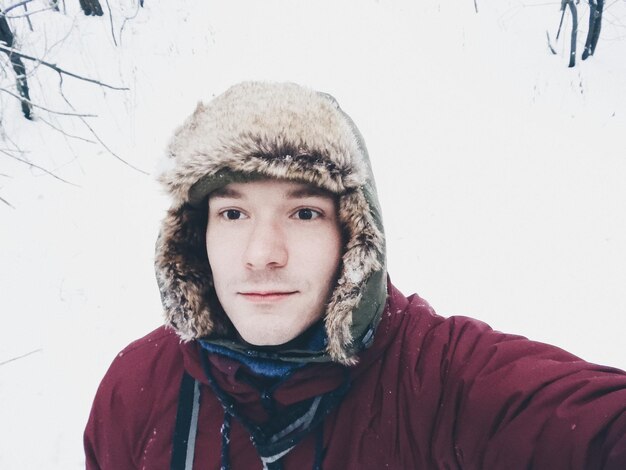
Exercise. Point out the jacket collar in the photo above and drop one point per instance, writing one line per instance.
(310, 380)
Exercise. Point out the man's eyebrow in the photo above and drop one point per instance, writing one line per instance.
(302, 192)
(226, 192)
(308, 191)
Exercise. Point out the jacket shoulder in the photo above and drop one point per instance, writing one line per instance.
(151, 341)
(136, 362)
(145, 376)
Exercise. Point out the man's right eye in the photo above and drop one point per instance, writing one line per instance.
(232, 214)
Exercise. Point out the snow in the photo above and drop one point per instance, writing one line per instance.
(499, 169)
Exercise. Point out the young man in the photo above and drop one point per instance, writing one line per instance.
(286, 347)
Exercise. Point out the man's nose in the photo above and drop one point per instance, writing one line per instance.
(266, 246)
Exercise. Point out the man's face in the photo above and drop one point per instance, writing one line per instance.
(274, 247)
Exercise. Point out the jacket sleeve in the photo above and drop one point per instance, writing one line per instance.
(508, 402)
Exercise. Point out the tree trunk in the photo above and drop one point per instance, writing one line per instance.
(595, 23)
(6, 37)
(91, 7)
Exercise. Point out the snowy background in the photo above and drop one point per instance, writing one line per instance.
(501, 173)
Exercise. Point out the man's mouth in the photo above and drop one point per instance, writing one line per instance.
(266, 296)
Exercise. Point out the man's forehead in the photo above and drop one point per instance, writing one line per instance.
(289, 189)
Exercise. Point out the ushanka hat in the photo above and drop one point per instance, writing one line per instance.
(271, 130)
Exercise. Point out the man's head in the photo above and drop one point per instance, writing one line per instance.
(262, 144)
(274, 247)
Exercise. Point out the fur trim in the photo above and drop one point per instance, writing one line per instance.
(304, 129)
(278, 131)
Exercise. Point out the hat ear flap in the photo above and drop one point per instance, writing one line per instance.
(362, 258)
(183, 272)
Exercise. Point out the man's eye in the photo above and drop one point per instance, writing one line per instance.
(232, 214)
(307, 214)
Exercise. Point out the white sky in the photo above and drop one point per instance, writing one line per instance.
(499, 169)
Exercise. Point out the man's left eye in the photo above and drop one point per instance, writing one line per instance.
(307, 214)
(232, 214)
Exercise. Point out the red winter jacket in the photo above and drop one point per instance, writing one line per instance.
(431, 393)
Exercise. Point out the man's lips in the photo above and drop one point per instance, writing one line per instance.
(266, 296)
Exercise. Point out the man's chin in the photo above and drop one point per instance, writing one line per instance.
(270, 340)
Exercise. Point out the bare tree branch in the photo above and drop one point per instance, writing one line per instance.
(58, 69)
(111, 23)
(66, 134)
(61, 113)
(26, 162)
(8, 204)
(128, 18)
(6, 150)
(558, 32)
(16, 5)
(20, 357)
(61, 40)
(30, 23)
(15, 148)
(549, 43)
(93, 132)
(109, 150)
(28, 14)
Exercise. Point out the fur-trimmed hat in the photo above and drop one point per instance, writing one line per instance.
(271, 130)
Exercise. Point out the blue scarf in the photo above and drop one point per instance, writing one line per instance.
(313, 339)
